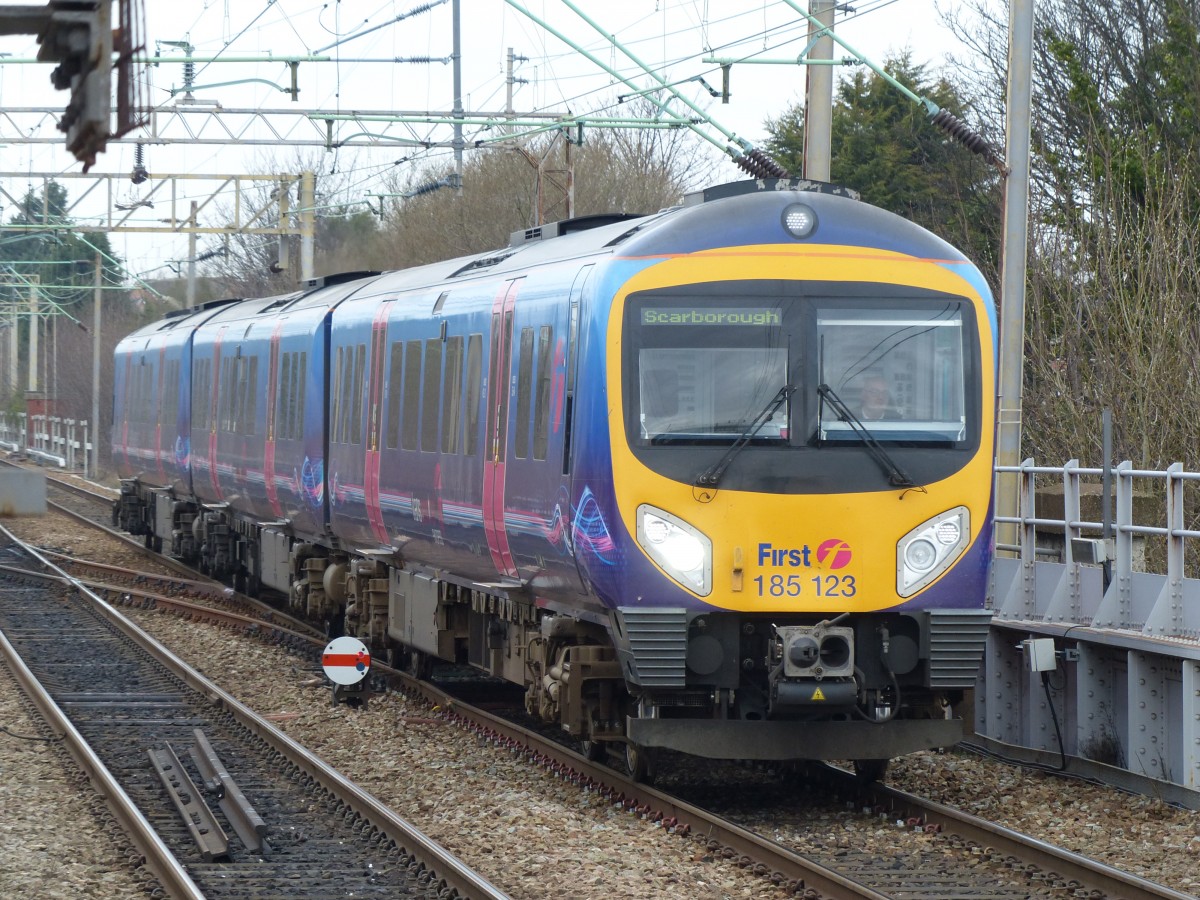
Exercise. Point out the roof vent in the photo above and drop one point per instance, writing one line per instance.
(766, 185)
(568, 226)
(338, 278)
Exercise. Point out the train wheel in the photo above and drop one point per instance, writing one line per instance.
(596, 751)
(419, 665)
(870, 770)
(638, 762)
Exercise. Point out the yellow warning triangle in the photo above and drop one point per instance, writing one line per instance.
(817, 695)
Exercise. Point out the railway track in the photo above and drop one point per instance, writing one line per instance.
(968, 856)
(123, 704)
(92, 506)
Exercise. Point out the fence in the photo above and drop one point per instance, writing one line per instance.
(1108, 584)
(49, 439)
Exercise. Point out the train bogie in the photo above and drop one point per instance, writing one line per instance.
(716, 480)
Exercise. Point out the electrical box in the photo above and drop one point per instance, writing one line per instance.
(1090, 551)
(1040, 653)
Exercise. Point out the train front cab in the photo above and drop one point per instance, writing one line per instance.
(808, 582)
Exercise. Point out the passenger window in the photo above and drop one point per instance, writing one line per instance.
(252, 396)
(357, 405)
(412, 394)
(524, 391)
(474, 390)
(336, 396)
(541, 410)
(347, 388)
(452, 415)
(395, 368)
(298, 393)
(283, 403)
(431, 400)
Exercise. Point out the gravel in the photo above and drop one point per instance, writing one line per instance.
(534, 835)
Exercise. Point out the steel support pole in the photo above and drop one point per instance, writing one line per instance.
(458, 111)
(33, 338)
(308, 223)
(1013, 259)
(91, 462)
(191, 269)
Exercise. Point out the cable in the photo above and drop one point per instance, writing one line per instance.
(1062, 750)
(30, 737)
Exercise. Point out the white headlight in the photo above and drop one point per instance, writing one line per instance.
(949, 532)
(930, 549)
(657, 530)
(920, 555)
(683, 552)
(799, 220)
(679, 549)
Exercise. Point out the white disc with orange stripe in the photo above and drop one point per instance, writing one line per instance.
(346, 660)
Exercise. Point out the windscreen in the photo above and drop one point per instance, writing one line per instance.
(900, 371)
(708, 372)
(796, 377)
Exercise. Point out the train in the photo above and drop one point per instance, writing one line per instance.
(715, 479)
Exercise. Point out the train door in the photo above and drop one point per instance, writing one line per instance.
(272, 412)
(496, 446)
(375, 400)
(534, 343)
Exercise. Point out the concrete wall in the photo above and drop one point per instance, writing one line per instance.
(22, 492)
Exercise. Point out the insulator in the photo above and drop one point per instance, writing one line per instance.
(962, 133)
(744, 164)
(770, 166)
(139, 173)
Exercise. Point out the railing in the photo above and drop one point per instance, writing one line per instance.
(49, 439)
(1119, 592)
(1119, 697)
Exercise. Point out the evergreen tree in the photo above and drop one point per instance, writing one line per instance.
(40, 245)
(884, 146)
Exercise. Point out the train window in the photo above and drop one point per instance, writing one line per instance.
(171, 394)
(208, 398)
(412, 394)
(355, 436)
(524, 392)
(452, 414)
(225, 396)
(395, 368)
(336, 396)
(432, 399)
(346, 398)
(474, 390)
(541, 409)
(282, 410)
(238, 403)
(298, 371)
(252, 395)
(902, 371)
(200, 396)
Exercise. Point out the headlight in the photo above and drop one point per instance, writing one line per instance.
(799, 220)
(920, 555)
(679, 549)
(929, 549)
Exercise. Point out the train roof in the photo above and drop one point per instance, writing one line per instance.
(731, 214)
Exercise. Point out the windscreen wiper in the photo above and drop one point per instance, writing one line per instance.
(711, 476)
(896, 476)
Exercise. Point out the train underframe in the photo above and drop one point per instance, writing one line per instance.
(866, 687)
